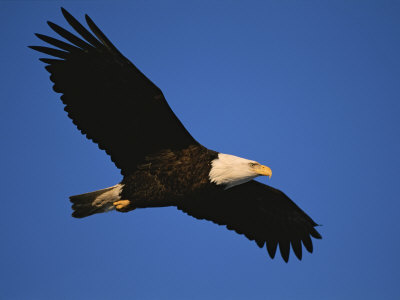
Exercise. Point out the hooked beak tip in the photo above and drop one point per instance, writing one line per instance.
(265, 171)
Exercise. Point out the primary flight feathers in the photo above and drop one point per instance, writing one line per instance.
(120, 109)
(109, 99)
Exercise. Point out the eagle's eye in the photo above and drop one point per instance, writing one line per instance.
(253, 164)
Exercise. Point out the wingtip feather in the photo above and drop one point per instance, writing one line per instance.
(296, 246)
(284, 248)
(315, 234)
(260, 243)
(307, 243)
(64, 11)
(271, 248)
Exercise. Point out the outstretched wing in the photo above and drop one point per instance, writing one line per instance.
(261, 213)
(108, 98)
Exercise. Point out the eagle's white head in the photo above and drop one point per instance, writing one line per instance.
(230, 170)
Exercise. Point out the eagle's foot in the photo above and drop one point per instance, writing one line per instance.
(122, 205)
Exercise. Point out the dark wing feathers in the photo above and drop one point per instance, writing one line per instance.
(100, 35)
(69, 36)
(296, 246)
(81, 30)
(108, 98)
(261, 213)
(49, 60)
(57, 43)
(50, 51)
(272, 244)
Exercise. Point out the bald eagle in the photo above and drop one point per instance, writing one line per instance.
(116, 106)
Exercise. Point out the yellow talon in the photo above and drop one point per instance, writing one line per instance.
(122, 205)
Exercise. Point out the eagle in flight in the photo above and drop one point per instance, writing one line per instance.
(116, 106)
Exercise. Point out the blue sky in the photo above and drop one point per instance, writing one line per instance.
(309, 88)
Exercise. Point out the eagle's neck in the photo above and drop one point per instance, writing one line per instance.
(230, 170)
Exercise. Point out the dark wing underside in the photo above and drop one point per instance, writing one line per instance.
(261, 213)
(108, 98)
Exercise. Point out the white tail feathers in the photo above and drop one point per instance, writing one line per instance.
(95, 202)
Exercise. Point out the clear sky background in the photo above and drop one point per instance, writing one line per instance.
(309, 88)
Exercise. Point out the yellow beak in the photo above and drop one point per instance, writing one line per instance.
(263, 170)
